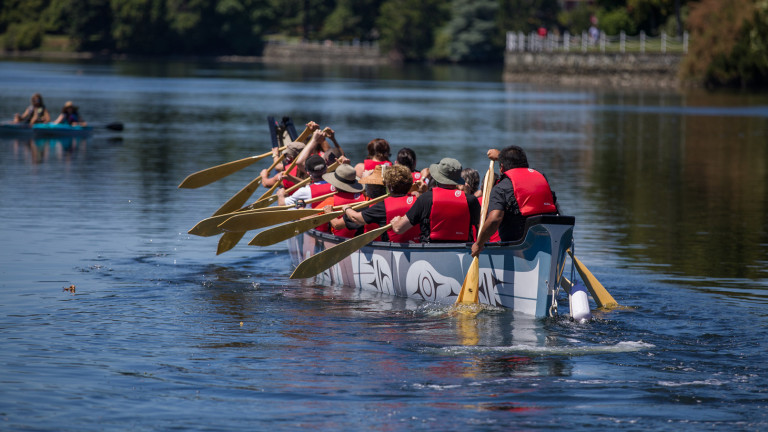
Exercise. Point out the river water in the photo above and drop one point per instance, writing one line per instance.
(669, 193)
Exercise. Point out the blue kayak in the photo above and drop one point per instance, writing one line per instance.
(44, 129)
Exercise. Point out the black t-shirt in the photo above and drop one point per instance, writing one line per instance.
(503, 198)
(422, 208)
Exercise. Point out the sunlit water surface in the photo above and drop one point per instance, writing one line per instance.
(668, 190)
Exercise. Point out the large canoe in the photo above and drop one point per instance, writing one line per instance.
(45, 130)
(523, 275)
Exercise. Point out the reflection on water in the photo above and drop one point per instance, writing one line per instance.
(686, 192)
(39, 150)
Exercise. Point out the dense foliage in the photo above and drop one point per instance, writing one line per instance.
(728, 36)
(729, 43)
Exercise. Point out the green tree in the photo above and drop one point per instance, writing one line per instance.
(140, 26)
(408, 26)
(88, 23)
(527, 15)
(469, 34)
(729, 43)
(352, 19)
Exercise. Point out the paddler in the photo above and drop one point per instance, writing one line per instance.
(348, 191)
(522, 192)
(445, 213)
(35, 112)
(398, 181)
(314, 166)
(378, 154)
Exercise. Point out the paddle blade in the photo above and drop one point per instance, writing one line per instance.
(210, 226)
(256, 220)
(290, 229)
(596, 289)
(324, 260)
(212, 174)
(117, 126)
(239, 198)
(471, 286)
(228, 241)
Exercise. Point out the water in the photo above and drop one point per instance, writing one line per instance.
(669, 192)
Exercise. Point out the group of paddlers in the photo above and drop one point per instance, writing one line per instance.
(441, 203)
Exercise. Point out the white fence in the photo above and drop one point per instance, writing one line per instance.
(596, 43)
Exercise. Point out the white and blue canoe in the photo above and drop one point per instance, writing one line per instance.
(524, 275)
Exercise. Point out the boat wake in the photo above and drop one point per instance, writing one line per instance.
(573, 350)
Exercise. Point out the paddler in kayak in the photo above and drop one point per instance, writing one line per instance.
(35, 112)
(70, 115)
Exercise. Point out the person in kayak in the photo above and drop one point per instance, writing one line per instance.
(70, 115)
(521, 192)
(445, 213)
(35, 112)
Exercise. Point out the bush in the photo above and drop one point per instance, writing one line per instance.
(729, 44)
(23, 36)
(616, 21)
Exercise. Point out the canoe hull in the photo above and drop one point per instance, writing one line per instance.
(522, 276)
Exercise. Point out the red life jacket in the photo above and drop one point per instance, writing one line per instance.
(369, 164)
(342, 198)
(319, 190)
(495, 236)
(532, 191)
(449, 216)
(287, 183)
(398, 206)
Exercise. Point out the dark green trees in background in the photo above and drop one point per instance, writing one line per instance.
(730, 45)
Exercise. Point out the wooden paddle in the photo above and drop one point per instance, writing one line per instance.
(265, 202)
(247, 221)
(230, 239)
(596, 289)
(290, 229)
(241, 197)
(470, 288)
(210, 226)
(326, 259)
(218, 172)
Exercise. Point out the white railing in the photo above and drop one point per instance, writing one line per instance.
(597, 43)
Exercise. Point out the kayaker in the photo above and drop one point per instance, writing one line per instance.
(70, 115)
(314, 166)
(445, 213)
(35, 112)
(378, 154)
(522, 192)
(398, 180)
(348, 191)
